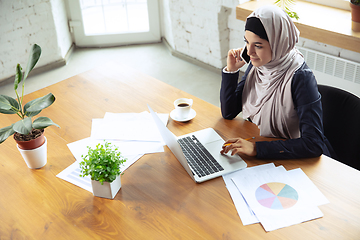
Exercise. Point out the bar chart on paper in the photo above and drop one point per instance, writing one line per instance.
(276, 195)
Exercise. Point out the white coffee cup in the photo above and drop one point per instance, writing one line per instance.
(182, 107)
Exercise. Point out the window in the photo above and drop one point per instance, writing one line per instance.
(343, 4)
(114, 16)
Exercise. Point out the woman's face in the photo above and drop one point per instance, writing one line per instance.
(258, 49)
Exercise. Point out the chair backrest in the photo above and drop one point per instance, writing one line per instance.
(341, 119)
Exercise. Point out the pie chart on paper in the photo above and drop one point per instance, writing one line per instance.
(276, 195)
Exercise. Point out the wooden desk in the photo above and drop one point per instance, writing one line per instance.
(158, 200)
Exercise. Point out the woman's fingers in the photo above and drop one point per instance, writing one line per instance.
(240, 146)
(236, 54)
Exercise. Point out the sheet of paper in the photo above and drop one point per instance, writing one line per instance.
(72, 173)
(300, 178)
(79, 148)
(127, 126)
(246, 215)
(276, 199)
(135, 134)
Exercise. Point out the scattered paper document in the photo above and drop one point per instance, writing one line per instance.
(126, 148)
(127, 126)
(300, 178)
(72, 173)
(274, 197)
(247, 216)
(135, 134)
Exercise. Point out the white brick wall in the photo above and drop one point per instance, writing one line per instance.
(196, 29)
(24, 23)
(207, 30)
(201, 30)
(61, 25)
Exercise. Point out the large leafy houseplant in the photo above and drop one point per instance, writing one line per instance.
(102, 163)
(25, 129)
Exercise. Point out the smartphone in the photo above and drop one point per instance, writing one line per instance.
(244, 56)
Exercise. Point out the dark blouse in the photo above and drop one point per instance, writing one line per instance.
(307, 102)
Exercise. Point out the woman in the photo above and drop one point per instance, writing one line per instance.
(278, 91)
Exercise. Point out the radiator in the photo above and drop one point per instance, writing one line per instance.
(333, 71)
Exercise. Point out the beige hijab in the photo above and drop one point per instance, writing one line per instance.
(267, 97)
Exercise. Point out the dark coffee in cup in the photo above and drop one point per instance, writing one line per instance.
(183, 105)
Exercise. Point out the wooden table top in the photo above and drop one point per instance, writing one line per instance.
(157, 200)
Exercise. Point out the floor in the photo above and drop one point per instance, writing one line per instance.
(152, 59)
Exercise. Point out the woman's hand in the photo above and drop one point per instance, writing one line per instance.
(239, 146)
(234, 61)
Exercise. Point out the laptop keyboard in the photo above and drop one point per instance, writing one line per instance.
(202, 162)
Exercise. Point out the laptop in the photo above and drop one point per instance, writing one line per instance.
(199, 152)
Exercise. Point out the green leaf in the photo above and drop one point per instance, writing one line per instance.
(32, 114)
(6, 132)
(4, 103)
(34, 56)
(293, 15)
(8, 105)
(43, 122)
(23, 126)
(18, 76)
(102, 163)
(39, 103)
(286, 6)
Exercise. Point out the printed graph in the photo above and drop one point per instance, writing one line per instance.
(276, 195)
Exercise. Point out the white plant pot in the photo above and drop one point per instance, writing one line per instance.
(35, 158)
(107, 190)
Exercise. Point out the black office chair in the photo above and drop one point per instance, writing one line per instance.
(341, 118)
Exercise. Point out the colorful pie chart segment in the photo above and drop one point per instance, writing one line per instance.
(276, 195)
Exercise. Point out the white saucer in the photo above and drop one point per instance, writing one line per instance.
(192, 114)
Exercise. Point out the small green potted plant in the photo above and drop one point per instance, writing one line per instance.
(28, 134)
(103, 164)
(355, 15)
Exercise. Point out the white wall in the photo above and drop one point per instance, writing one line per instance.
(201, 30)
(197, 29)
(166, 23)
(24, 23)
(61, 26)
(207, 30)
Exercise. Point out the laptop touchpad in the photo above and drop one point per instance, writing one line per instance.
(215, 147)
